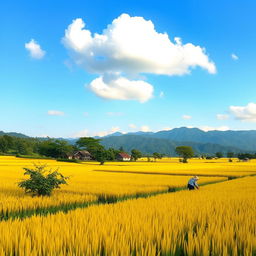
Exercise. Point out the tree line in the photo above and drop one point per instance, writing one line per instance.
(57, 148)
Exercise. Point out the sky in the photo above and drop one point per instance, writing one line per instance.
(86, 68)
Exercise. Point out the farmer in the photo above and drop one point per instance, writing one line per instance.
(192, 183)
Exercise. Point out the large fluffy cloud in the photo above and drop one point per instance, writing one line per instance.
(131, 45)
(34, 49)
(244, 113)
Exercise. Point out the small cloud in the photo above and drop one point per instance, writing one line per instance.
(210, 128)
(121, 88)
(222, 117)
(105, 133)
(186, 117)
(244, 113)
(132, 126)
(55, 113)
(34, 49)
(145, 128)
(115, 129)
(86, 114)
(161, 94)
(114, 114)
(166, 129)
(234, 56)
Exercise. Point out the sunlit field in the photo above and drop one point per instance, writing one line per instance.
(85, 184)
(218, 219)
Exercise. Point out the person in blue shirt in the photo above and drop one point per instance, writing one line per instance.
(192, 183)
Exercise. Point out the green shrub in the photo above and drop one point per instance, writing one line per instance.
(42, 181)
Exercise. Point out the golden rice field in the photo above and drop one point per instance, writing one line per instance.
(85, 184)
(218, 219)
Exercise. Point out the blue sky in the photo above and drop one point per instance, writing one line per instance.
(50, 90)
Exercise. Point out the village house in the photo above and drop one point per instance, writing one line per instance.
(82, 155)
(123, 157)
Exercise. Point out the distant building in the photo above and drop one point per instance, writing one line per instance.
(123, 157)
(82, 155)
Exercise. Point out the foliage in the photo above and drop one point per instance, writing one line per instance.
(135, 154)
(42, 181)
(100, 155)
(88, 143)
(185, 152)
(157, 155)
(219, 154)
(230, 154)
(55, 148)
(244, 156)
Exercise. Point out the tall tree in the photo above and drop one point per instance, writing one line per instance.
(185, 152)
(157, 155)
(135, 154)
(97, 151)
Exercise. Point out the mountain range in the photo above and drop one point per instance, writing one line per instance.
(166, 141)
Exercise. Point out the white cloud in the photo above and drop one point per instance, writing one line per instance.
(210, 128)
(86, 114)
(186, 117)
(115, 129)
(34, 49)
(132, 126)
(128, 46)
(166, 129)
(87, 133)
(244, 113)
(161, 94)
(120, 88)
(105, 133)
(234, 56)
(222, 116)
(55, 113)
(145, 128)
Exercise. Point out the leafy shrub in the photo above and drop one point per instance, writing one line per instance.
(42, 181)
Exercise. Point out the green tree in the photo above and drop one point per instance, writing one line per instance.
(42, 181)
(55, 148)
(135, 154)
(185, 152)
(3, 145)
(100, 155)
(9, 140)
(157, 155)
(219, 154)
(230, 154)
(98, 152)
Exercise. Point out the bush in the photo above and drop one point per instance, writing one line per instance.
(42, 181)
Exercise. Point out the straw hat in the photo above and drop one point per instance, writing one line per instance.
(196, 177)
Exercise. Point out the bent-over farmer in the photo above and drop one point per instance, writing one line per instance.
(192, 183)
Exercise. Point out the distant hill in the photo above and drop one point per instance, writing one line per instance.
(149, 145)
(165, 141)
(245, 140)
(15, 134)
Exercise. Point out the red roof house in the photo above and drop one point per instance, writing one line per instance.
(123, 157)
